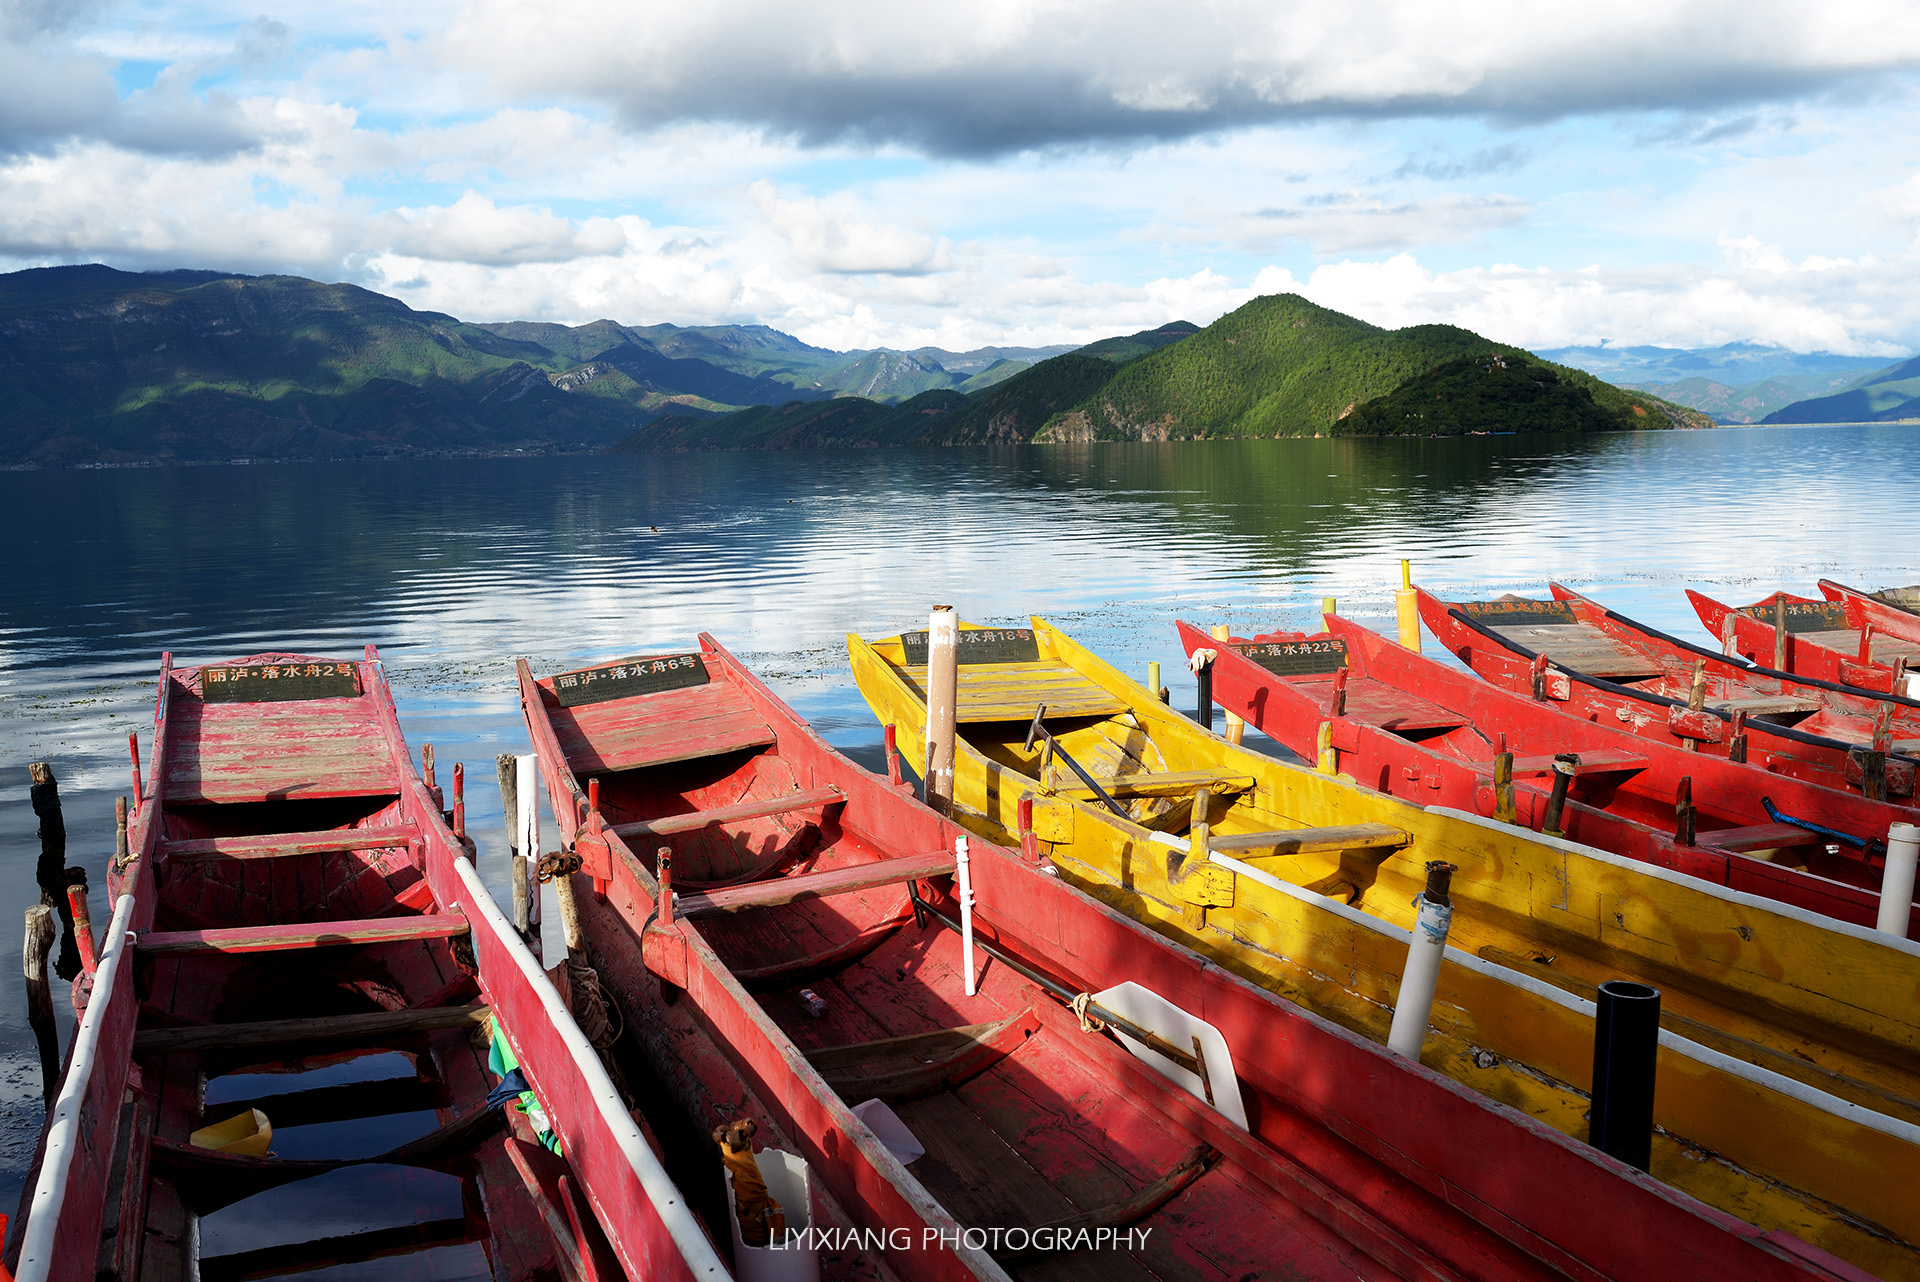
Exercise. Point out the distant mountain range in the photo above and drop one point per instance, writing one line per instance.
(104, 366)
(1754, 383)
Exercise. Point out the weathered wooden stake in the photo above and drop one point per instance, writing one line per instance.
(1866, 645)
(526, 821)
(460, 800)
(120, 858)
(83, 928)
(1564, 765)
(1683, 814)
(1406, 605)
(139, 788)
(1873, 775)
(1503, 803)
(1729, 634)
(33, 961)
(1236, 728)
(521, 894)
(1780, 632)
(943, 680)
(1697, 693)
(1883, 728)
(1337, 705)
(1328, 757)
(1029, 840)
(1737, 742)
(508, 775)
(1540, 662)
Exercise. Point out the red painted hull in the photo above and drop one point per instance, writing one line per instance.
(368, 918)
(1807, 654)
(1356, 1163)
(1838, 711)
(1807, 765)
(1892, 620)
(1420, 730)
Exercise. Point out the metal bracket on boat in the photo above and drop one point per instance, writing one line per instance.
(1038, 730)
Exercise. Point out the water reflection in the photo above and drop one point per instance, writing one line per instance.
(452, 568)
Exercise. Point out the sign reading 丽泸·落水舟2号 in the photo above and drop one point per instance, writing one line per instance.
(979, 645)
(278, 682)
(629, 677)
(1297, 658)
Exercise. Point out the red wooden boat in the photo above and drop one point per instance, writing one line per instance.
(825, 971)
(1418, 729)
(1541, 647)
(1809, 704)
(1809, 637)
(302, 955)
(1892, 611)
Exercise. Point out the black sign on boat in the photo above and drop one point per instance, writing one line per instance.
(980, 645)
(1804, 616)
(1518, 611)
(278, 682)
(1298, 658)
(629, 677)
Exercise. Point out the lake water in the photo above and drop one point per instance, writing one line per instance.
(453, 568)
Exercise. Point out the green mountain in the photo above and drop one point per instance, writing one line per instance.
(1282, 366)
(1884, 396)
(1147, 340)
(1745, 404)
(1497, 391)
(802, 425)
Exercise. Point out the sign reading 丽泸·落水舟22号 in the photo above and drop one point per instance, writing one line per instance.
(1297, 658)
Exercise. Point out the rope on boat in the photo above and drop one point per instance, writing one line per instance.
(591, 1009)
(1089, 1022)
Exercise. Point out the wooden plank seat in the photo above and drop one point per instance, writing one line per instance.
(279, 1034)
(1606, 761)
(1303, 841)
(904, 1068)
(1167, 783)
(1013, 691)
(666, 826)
(1767, 705)
(282, 845)
(1376, 703)
(815, 885)
(1760, 837)
(297, 935)
(1581, 647)
(655, 729)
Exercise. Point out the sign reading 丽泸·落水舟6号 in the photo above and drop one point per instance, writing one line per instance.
(629, 677)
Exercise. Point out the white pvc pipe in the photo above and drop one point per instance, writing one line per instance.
(943, 679)
(1413, 1008)
(1896, 883)
(963, 882)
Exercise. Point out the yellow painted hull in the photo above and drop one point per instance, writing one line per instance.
(1539, 924)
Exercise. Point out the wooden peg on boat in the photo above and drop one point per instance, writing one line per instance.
(1337, 706)
(1883, 728)
(83, 927)
(139, 789)
(1697, 692)
(1565, 764)
(1327, 757)
(943, 677)
(1540, 662)
(891, 737)
(1236, 728)
(1503, 802)
(1737, 742)
(1873, 774)
(1683, 813)
(460, 801)
(37, 943)
(663, 861)
(1866, 645)
(120, 857)
(1780, 632)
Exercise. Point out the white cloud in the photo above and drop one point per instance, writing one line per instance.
(826, 237)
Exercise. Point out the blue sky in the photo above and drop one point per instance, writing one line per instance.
(990, 172)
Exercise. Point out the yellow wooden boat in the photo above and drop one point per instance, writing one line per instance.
(1789, 1069)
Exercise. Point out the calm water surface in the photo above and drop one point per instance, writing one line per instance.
(455, 568)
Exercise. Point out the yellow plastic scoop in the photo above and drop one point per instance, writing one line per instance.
(244, 1135)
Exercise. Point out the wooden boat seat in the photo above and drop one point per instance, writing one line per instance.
(321, 748)
(1376, 703)
(368, 1027)
(1303, 841)
(1767, 705)
(283, 845)
(1012, 692)
(1551, 628)
(1885, 648)
(666, 826)
(1605, 761)
(299, 935)
(1760, 837)
(1167, 783)
(654, 729)
(903, 1068)
(815, 885)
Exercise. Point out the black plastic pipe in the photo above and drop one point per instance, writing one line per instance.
(1203, 683)
(1626, 1048)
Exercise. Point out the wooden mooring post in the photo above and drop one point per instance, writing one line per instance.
(33, 961)
(51, 872)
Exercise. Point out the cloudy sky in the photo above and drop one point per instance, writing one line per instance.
(985, 171)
